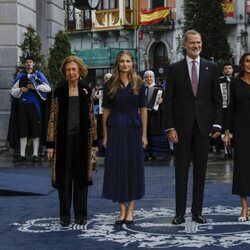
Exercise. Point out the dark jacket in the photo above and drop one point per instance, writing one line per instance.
(183, 108)
(57, 131)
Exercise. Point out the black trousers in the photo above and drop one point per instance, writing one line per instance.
(191, 147)
(73, 184)
(29, 120)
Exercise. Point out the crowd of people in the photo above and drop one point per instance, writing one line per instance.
(130, 120)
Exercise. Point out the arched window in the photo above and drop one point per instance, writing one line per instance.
(160, 55)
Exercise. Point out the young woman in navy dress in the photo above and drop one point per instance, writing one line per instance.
(124, 136)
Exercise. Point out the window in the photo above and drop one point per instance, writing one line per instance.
(111, 4)
(127, 4)
(157, 3)
(160, 55)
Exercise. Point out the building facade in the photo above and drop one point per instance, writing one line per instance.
(47, 17)
(96, 35)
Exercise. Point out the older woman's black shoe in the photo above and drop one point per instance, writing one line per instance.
(64, 223)
(119, 222)
(199, 218)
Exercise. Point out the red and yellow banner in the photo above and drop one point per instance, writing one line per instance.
(228, 8)
(154, 16)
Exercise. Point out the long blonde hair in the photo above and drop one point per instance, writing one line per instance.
(115, 81)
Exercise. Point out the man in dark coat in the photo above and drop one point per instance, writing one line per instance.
(193, 112)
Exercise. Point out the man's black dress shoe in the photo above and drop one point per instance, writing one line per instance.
(64, 223)
(35, 158)
(21, 159)
(199, 219)
(178, 219)
(81, 221)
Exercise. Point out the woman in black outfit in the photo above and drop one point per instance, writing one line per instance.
(238, 122)
(72, 139)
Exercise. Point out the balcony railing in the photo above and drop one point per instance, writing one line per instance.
(112, 18)
(99, 19)
(166, 24)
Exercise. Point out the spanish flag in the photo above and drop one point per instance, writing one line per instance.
(228, 8)
(154, 16)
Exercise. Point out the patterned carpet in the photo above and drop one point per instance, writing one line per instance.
(29, 213)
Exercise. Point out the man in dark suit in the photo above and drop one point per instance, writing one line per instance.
(193, 113)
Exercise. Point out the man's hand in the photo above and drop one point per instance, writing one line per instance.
(172, 135)
(30, 86)
(215, 132)
(159, 100)
(24, 89)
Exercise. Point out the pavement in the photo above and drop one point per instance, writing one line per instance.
(29, 211)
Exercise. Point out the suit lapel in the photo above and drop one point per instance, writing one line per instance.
(202, 73)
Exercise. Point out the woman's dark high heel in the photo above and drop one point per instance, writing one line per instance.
(128, 222)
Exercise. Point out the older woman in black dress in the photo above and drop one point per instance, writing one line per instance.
(238, 122)
(71, 140)
(124, 136)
